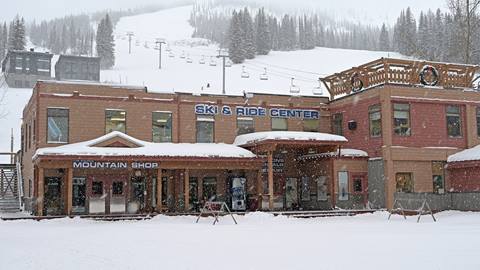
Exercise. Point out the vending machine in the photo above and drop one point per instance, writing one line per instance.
(238, 194)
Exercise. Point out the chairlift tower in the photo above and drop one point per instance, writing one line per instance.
(159, 42)
(224, 55)
(130, 35)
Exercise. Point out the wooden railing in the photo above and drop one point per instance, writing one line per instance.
(397, 71)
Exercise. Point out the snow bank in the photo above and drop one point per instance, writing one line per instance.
(287, 136)
(466, 155)
(144, 148)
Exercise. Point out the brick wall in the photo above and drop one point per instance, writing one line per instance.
(464, 179)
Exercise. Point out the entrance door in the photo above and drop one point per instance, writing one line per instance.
(107, 194)
(291, 193)
(79, 195)
(53, 196)
(193, 191)
(137, 194)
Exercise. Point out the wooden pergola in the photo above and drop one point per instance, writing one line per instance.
(398, 71)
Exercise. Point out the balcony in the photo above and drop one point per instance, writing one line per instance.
(400, 72)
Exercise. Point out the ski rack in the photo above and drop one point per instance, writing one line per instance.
(215, 209)
(398, 208)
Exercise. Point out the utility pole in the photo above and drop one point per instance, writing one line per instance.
(159, 43)
(130, 35)
(223, 54)
(12, 156)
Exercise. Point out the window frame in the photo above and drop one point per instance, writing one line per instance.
(434, 174)
(478, 121)
(409, 119)
(460, 126)
(412, 180)
(334, 121)
(207, 121)
(243, 118)
(105, 121)
(278, 118)
(68, 126)
(376, 108)
(317, 121)
(171, 126)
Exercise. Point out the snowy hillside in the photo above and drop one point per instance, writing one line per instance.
(141, 66)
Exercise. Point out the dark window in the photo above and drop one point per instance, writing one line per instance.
(205, 129)
(29, 136)
(401, 119)
(404, 182)
(117, 188)
(115, 120)
(478, 121)
(311, 125)
(454, 123)
(438, 176)
(337, 124)
(57, 120)
(97, 188)
(357, 185)
(162, 126)
(209, 188)
(245, 125)
(375, 118)
(279, 124)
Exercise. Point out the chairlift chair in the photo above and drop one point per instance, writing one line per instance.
(228, 63)
(264, 75)
(318, 90)
(293, 88)
(171, 54)
(189, 60)
(202, 60)
(245, 75)
(182, 56)
(213, 62)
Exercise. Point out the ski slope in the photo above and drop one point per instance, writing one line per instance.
(141, 66)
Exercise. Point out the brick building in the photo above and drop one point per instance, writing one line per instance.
(386, 133)
(22, 69)
(72, 67)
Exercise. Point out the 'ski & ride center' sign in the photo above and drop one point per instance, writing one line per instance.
(206, 109)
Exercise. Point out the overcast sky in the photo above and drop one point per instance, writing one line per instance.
(46, 9)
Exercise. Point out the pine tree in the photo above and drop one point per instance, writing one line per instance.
(248, 35)
(384, 40)
(263, 38)
(235, 41)
(105, 43)
(3, 40)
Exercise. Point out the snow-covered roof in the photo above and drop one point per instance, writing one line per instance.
(80, 82)
(147, 149)
(287, 136)
(466, 155)
(347, 152)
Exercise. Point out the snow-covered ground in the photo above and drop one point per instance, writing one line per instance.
(259, 241)
(141, 66)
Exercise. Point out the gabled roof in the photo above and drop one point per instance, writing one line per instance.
(132, 147)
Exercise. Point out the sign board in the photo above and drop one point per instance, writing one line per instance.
(113, 165)
(278, 165)
(207, 109)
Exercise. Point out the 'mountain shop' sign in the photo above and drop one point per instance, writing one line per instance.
(205, 109)
(90, 164)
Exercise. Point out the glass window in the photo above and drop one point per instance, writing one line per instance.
(404, 182)
(117, 188)
(245, 125)
(454, 123)
(162, 126)
(438, 176)
(279, 124)
(311, 125)
(115, 120)
(343, 186)
(337, 124)
(305, 189)
(205, 129)
(57, 121)
(401, 119)
(97, 188)
(375, 118)
(478, 121)
(209, 189)
(357, 185)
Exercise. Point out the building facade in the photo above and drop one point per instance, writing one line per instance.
(385, 134)
(22, 69)
(71, 67)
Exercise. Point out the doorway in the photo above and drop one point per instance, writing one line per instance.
(291, 193)
(107, 194)
(52, 199)
(79, 195)
(209, 189)
(138, 194)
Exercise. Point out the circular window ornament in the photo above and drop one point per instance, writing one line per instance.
(429, 76)
(356, 82)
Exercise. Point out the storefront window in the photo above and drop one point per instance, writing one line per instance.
(57, 120)
(209, 188)
(311, 125)
(401, 119)
(115, 120)
(245, 125)
(117, 188)
(375, 117)
(438, 176)
(404, 182)
(454, 123)
(337, 124)
(279, 124)
(97, 188)
(357, 185)
(205, 129)
(162, 127)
